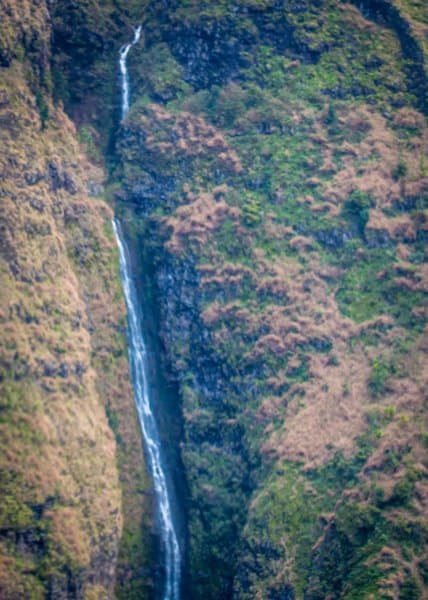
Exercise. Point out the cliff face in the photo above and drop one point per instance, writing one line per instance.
(72, 521)
(273, 170)
(275, 160)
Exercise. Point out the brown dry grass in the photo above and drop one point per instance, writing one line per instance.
(402, 228)
(186, 135)
(195, 221)
(328, 412)
(368, 165)
(60, 307)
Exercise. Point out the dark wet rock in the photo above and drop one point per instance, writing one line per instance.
(49, 369)
(377, 238)
(80, 368)
(37, 204)
(63, 370)
(59, 179)
(34, 229)
(332, 238)
(32, 178)
(74, 212)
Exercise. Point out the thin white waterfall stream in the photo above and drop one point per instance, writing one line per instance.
(139, 373)
(138, 362)
(123, 55)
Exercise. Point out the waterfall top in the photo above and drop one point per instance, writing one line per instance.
(123, 55)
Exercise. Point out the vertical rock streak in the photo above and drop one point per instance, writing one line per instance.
(138, 362)
(123, 54)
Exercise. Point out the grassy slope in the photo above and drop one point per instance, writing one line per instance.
(72, 471)
(296, 193)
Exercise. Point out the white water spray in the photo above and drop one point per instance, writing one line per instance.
(123, 55)
(139, 373)
(138, 363)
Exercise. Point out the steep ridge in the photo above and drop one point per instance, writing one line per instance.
(75, 516)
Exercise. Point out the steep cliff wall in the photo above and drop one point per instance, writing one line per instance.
(273, 168)
(275, 160)
(74, 521)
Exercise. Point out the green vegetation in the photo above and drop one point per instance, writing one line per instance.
(381, 371)
(272, 172)
(273, 160)
(357, 208)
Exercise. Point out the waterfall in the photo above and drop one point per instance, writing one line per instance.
(138, 363)
(123, 55)
(139, 374)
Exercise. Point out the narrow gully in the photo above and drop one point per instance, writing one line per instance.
(138, 360)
